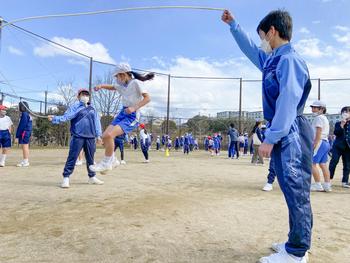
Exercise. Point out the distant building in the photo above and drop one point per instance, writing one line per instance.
(231, 114)
(256, 115)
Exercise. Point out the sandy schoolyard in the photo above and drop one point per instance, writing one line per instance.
(175, 209)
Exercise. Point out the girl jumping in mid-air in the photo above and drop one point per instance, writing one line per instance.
(134, 97)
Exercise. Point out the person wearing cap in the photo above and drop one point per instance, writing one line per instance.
(286, 86)
(24, 131)
(133, 96)
(144, 142)
(85, 130)
(320, 125)
(158, 143)
(186, 144)
(6, 128)
(341, 146)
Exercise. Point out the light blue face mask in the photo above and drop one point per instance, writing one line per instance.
(120, 83)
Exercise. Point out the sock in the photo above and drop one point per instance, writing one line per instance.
(3, 159)
(25, 160)
(66, 179)
(318, 183)
(108, 159)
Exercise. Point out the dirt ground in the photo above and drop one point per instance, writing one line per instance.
(192, 208)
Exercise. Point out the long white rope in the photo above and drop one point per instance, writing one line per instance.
(110, 11)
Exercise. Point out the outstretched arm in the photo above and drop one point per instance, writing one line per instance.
(248, 47)
(70, 113)
(105, 86)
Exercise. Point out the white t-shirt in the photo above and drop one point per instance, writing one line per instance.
(143, 136)
(132, 93)
(5, 123)
(322, 122)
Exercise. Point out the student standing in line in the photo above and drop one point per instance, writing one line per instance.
(144, 142)
(6, 129)
(320, 125)
(119, 143)
(24, 132)
(257, 141)
(341, 146)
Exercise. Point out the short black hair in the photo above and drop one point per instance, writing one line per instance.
(346, 108)
(232, 125)
(282, 22)
(23, 106)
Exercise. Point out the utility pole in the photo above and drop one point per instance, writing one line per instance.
(90, 79)
(240, 105)
(45, 102)
(168, 107)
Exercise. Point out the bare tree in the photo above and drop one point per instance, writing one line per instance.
(106, 102)
(66, 90)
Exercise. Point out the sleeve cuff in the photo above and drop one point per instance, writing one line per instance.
(234, 25)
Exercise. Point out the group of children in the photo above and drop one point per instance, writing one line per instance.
(23, 133)
(323, 148)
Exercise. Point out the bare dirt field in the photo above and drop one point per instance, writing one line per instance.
(180, 208)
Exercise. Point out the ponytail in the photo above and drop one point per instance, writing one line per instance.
(141, 77)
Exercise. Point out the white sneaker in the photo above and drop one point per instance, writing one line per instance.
(268, 187)
(79, 163)
(101, 167)
(280, 247)
(146, 161)
(344, 185)
(316, 187)
(327, 187)
(116, 163)
(23, 164)
(65, 183)
(282, 257)
(2, 164)
(122, 162)
(95, 180)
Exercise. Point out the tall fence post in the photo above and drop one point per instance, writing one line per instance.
(90, 79)
(2, 98)
(240, 105)
(319, 89)
(45, 102)
(168, 107)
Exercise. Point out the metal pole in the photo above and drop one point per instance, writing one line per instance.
(2, 98)
(90, 79)
(319, 89)
(240, 106)
(168, 107)
(41, 105)
(45, 102)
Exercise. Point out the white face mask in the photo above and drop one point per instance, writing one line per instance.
(265, 46)
(84, 99)
(345, 115)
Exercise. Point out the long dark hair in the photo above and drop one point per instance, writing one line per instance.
(255, 127)
(141, 77)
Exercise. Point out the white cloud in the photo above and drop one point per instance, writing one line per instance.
(15, 51)
(304, 30)
(96, 50)
(342, 28)
(311, 48)
(344, 39)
